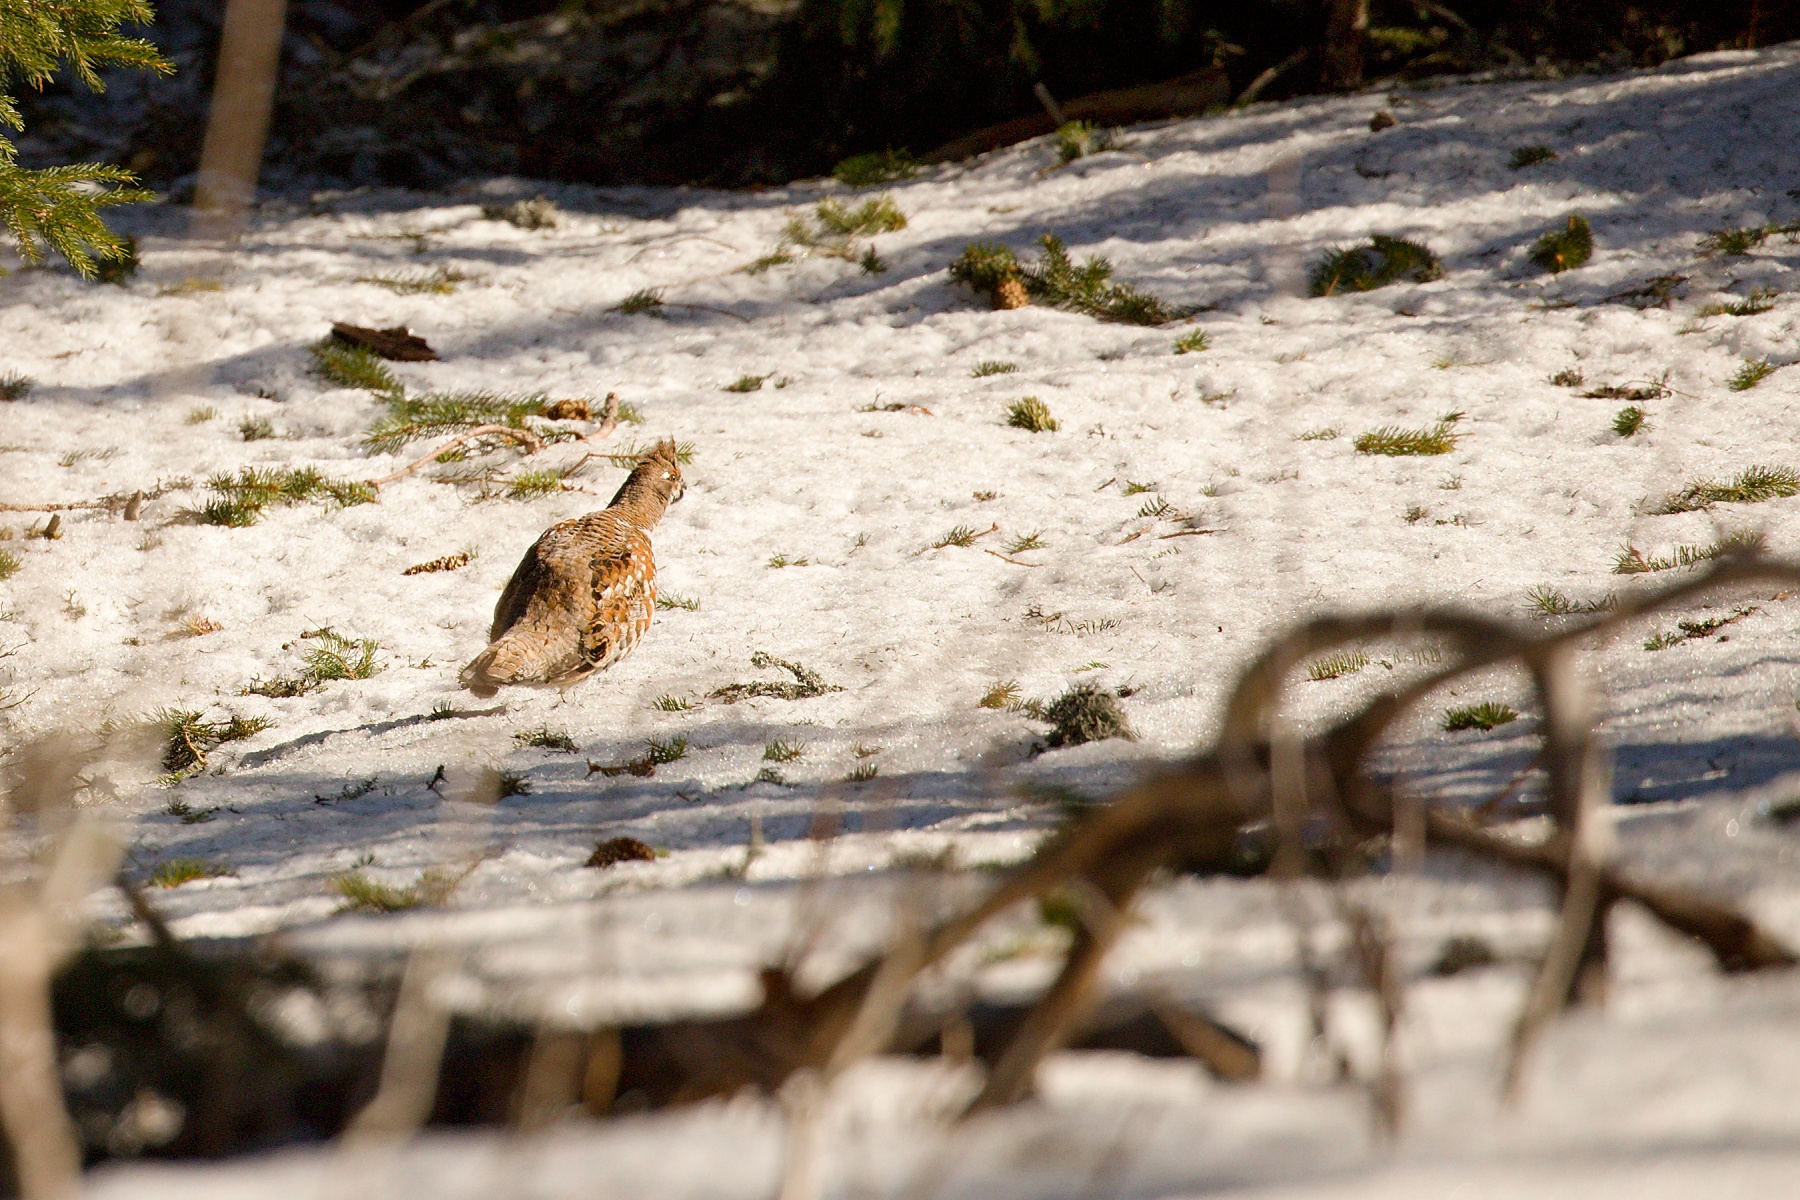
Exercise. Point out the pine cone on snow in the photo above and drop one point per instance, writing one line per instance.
(1010, 293)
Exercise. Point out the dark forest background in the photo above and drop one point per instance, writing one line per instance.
(746, 92)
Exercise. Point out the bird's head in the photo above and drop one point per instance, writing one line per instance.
(654, 484)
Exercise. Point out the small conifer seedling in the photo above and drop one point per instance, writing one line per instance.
(14, 386)
(1383, 261)
(1484, 716)
(1192, 343)
(990, 367)
(1565, 249)
(784, 751)
(1628, 421)
(1083, 714)
(1033, 415)
(174, 872)
(646, 300)
(1753, 372)
(1734, 242)
(867, 170)
(1078, 139)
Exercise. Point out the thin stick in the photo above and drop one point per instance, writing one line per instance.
(609, 421)
(531, 441)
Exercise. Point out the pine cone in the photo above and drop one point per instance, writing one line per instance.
(1010, 293)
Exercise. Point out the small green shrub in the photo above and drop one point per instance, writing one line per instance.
(984, 369)
(339, 657)
(1628, 421)
(1383, 261)
(746, 383)
(1032, 415)
(1193, 343)
(1530, 156)
(14, 386)
(867, 170)
(9, 564)
(1565, 249)
(255, 429)
(1486, 715)
(1083, 714)
(982, 266)
(672, 703)
(1078, 139)
(1733, 242)
(187, 737)
(1056, 280)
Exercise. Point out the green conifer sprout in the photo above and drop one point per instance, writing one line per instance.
(58, 208)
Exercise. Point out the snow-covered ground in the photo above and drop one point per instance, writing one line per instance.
(870, 439)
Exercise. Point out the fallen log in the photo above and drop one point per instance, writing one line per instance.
(1184, 96)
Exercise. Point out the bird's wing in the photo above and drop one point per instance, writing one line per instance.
(519, 590)
(624, 591)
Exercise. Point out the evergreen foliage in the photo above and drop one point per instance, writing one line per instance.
(58, 208)
(1056, 280)
(1383, 261)
(1565, 249)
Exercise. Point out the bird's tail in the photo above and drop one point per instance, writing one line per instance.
(500, 664)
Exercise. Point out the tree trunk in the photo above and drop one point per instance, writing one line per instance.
(1346, 21)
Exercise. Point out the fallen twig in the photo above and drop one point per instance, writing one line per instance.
(609, 421)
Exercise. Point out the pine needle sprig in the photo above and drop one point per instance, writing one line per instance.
(58, 208)
(437, 413)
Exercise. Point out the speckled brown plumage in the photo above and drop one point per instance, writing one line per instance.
(584, 593)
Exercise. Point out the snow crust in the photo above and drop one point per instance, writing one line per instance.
(1683, 1087)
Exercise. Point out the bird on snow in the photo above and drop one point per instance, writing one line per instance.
(584, 593)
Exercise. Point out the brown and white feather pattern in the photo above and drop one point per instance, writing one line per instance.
(584, 594)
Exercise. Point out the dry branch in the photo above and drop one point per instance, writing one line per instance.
(1194, 813)
(609, 421)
